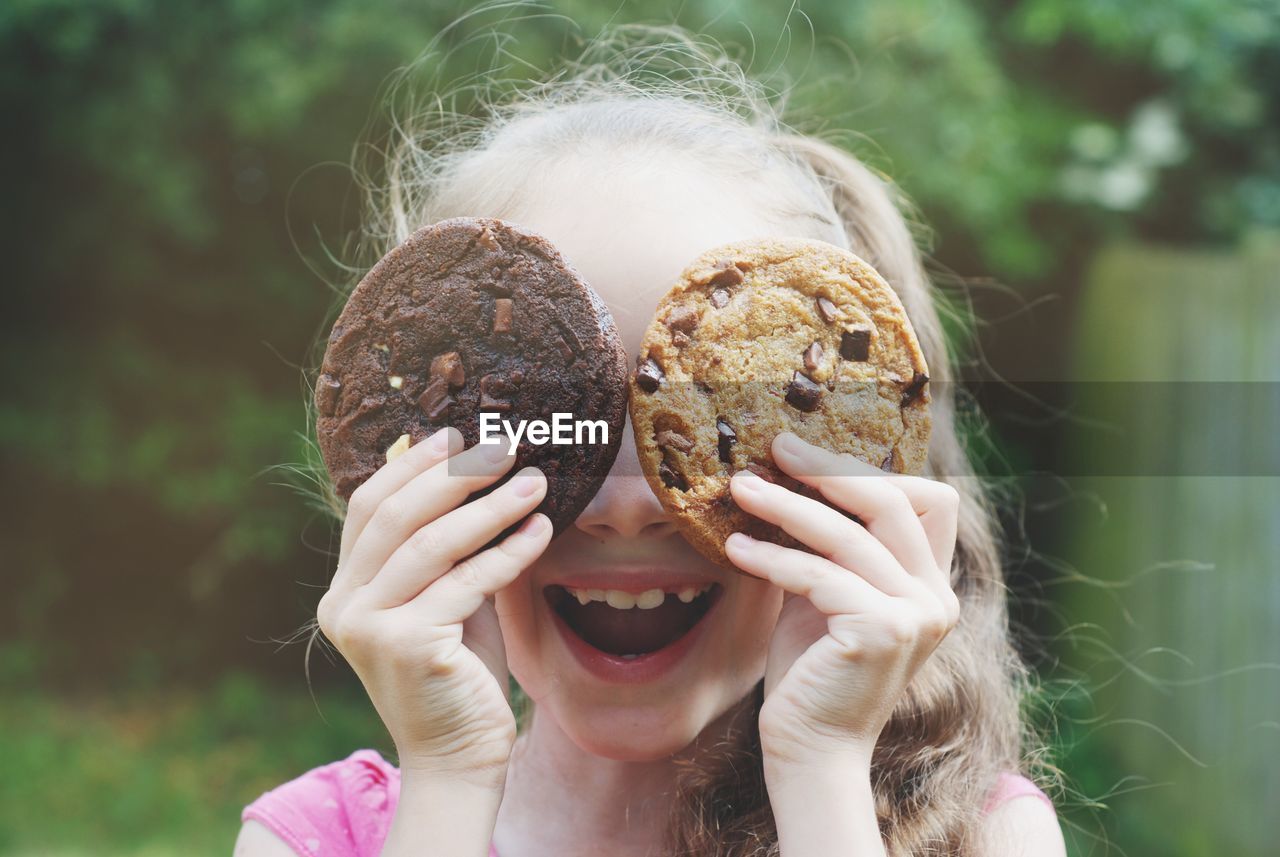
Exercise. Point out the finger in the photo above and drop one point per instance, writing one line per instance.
(422, 500)
(865, 491)
(455, 596)
(829, 587)
(391, 477)
(938, 506)
(822, 528)
(447, 541)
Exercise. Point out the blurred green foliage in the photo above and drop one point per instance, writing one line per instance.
(147, 773)
(177, 215)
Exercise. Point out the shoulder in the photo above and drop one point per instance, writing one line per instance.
(1019, 819)
(342, 808)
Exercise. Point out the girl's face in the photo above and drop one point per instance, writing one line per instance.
(630, 233)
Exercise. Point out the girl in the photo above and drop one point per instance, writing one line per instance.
(865, 701)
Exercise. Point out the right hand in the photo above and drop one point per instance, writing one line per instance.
(410, 608)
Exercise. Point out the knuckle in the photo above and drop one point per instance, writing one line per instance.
(467, 572)
(340, 632)
(901, 628)
(942, 495)
(951, 608)
(362, 503)
(883, 498)
(427, 542)
(393, 514)
(934, 625)
(326, 613)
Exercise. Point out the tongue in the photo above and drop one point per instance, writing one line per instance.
(630, 632)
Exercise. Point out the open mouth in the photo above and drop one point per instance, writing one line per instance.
(629, 625)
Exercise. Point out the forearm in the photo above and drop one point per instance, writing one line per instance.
(824, 809)
(442, 815)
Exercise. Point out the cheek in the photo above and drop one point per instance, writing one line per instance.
(515, 608)
(748, 626)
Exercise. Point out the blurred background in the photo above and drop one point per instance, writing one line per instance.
(1102, 183)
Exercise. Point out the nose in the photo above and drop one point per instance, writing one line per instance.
(625, 506)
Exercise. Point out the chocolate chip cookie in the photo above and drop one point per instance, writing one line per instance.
(472, 316)
(761, 337)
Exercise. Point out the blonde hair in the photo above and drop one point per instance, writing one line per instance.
(959, 724)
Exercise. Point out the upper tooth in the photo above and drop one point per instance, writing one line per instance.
(650, 598)
(646, 600)
(621, 600)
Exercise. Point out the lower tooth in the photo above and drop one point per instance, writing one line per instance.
(629, 657)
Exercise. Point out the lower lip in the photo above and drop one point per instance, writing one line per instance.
(645, 668)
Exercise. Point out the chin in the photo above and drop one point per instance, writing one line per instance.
(623, 738)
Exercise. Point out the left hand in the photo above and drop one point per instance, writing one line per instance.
(876, 601)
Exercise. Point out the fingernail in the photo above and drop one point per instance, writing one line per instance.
(738, 540)
(439, 442)
(494, 452)
(525, 483)
(748, 479)
(532, 525)
(790, 443)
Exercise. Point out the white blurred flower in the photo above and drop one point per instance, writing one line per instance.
(1122, 185)
(1154, 136)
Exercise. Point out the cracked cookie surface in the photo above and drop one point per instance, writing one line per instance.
(472, 315)
(761, 337)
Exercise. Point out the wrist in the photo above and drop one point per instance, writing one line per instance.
(852, 759)
(443, 813)
(824, 806)
(432, 773)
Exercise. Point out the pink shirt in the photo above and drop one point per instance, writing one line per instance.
(344, 809)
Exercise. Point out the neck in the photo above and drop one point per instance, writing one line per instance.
(560, 800)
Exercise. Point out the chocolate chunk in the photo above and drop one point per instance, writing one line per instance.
(649, 375)
(516, 376)
(495, 384)
(683, 318)
(492, 403)
(887, 464)
(812, 357)
(327, 389)
(802, 393)
(827, 310)
(449, 367)
(487, 240)
(728, 275)
(502, 315)
(496, 286)
(570, 338)
(913, 390)
(565, 351)
(855, 343)
(703, 387)
(674, 439)
(671, 477)
(719, 298)
(726, 437)
(435, 400)
(494, 392)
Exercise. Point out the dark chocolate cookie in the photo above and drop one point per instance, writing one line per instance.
(473, 315)
(761, 337)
